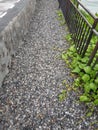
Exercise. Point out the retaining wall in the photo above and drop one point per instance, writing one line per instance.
(11, 32)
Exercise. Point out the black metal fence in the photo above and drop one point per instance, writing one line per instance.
(81, 30)
(93, 58)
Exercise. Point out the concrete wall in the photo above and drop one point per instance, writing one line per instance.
(11, 36)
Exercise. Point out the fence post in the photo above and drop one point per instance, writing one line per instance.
(90, 36)
(93, 54)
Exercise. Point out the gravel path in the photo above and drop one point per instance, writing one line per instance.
(29, 96)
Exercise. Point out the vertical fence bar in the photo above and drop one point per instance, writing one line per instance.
(85, 37)
(90, 37)
(93, 54)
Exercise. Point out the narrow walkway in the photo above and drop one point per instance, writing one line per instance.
(29, 96)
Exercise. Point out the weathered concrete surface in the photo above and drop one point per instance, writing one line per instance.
(14, 22)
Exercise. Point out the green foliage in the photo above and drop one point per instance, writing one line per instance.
(84, 99)
(89, 114)
(68, 37)
(77, 82)
(96, 81)
(96, 67)
(62, 95)
(96, 14)
(76, 70)
(87, 69)
(89, 18)
(60, 17)
(96, 102)
(86, 78)
(85, 75)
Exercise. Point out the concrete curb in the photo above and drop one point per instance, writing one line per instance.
(12, 34)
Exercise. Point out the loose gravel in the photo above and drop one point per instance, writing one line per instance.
(29, 95)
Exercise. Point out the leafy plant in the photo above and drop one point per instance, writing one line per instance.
(85, 76)
(61, 17)
(84, 98)
(62, 95)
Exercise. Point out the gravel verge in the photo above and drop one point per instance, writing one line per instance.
(29, 95)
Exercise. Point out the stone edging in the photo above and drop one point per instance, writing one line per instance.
(11, 36)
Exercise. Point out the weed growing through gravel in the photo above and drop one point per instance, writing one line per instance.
(85, 75)
(60, 17)
(85, 80)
